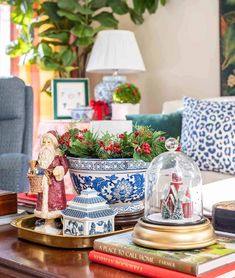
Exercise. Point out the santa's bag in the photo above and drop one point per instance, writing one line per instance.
(35, 183)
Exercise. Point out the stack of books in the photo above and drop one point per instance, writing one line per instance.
(120, 252)
(27, 201)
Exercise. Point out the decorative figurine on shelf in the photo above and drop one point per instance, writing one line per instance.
(52, 165)
(176, 201)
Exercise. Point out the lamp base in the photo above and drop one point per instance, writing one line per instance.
(174, 237)
(104, 90)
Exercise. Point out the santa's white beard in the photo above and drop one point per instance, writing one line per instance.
(46, 156)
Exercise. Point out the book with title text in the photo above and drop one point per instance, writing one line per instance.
(194, 262)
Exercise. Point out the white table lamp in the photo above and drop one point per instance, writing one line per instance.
(115, 52)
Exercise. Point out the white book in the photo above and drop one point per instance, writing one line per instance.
(6, 219)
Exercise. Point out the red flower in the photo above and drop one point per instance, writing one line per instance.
(145, 146)
(178, 148)
(84, 130)
(117, 150)
(138, 149)
(65, 138)
(79, 136)
(117, 145)
(111, 147)
(105, 148)
(147, 151)
(136, 133)
(100, 142)
(121, 136)
(162, 138)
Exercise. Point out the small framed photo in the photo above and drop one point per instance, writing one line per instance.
(68, 94)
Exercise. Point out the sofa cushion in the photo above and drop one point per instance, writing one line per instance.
(170, 123)
(216, 192)
(208, 134)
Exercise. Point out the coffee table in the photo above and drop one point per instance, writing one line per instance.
(22, 259)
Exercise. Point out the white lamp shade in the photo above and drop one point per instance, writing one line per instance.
(115, 50)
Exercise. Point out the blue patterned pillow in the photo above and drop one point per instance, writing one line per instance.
(208, 134)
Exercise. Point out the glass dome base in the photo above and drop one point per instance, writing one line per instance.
(176, 237)
(156, 218)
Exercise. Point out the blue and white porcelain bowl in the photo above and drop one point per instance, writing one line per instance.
(82, 113)
(119, 181)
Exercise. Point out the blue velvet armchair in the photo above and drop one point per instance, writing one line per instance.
(16, 127)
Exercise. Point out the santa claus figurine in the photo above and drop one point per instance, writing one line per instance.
(53, 165)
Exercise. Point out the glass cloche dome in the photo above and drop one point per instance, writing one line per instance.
(173, 194)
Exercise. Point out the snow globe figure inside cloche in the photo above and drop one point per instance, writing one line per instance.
(173, 217)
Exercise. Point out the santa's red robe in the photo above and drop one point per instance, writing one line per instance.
(52, 200)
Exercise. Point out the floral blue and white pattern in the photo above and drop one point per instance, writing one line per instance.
(115, 188)
(104, 90)
(208, 134)
(118, 181)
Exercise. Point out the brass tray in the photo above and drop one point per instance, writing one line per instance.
(25, 231)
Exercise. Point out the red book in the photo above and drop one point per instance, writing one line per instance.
(31, 199)
(153, 271)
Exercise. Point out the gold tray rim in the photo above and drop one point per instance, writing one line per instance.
(59, 241)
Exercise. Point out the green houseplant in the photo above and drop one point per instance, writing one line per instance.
(126, 98)
(58, 34)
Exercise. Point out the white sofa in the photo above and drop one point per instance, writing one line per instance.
(216, 186)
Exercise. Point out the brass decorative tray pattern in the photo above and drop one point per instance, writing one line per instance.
(25, 231)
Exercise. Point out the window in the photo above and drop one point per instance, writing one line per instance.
(5, 65)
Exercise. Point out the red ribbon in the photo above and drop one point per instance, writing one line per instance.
(101, 109)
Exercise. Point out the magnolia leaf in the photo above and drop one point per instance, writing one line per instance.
(50, 9)
(53, 33)
(152, 6)
(84, 42)
(163, 2)
(68, 5)
(106, 19)
(118, 6)
(139, 6)
(49, 64)
(69, 15)
(70, 68)
(84, 10)
(40, 23)
(44, 50)
(83, 31)
(98, 4)
(67, 57)
(135, 17)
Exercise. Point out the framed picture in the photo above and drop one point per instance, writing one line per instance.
(227, 47)
(68, 94)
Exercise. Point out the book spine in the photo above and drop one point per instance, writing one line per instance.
(145, 257)
(134, 266)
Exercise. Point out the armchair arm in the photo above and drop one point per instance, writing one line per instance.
(13, 172)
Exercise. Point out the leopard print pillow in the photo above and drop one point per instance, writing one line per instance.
(208, 134)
